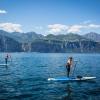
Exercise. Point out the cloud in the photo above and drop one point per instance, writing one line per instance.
(57, 28)
(60, 28)
(78, 28)
(3, 11)
(75, 28)
(10, 27)
(94, 26)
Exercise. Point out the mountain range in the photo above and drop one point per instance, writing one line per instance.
(93, 36)
(33, 42)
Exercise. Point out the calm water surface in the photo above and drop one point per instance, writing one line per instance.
(26, 77)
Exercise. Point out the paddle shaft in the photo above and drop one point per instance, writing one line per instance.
(74, 69)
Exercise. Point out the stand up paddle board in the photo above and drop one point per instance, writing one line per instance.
(4, 64)
(70, 79)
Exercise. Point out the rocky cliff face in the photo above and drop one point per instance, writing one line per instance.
(76, 46)
(9, 45)
(32, 42)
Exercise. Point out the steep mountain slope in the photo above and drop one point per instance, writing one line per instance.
(93, 36)
(22, 37)
(9, 45)
(67, 37)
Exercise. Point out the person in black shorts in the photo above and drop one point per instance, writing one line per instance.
(6, 59)
(69, 65)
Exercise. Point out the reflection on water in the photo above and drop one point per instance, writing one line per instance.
(26, 77)
(69, 91)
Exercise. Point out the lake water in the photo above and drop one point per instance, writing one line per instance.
(26, 77)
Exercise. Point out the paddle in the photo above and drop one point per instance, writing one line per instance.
(74, 68)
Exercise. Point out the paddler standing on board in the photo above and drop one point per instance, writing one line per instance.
(6, 58)
(69, 65)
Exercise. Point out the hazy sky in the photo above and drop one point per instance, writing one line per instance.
(50, 16)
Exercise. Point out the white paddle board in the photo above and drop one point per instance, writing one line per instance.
(4, 64)
(70, 79)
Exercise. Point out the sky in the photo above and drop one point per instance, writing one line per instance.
(50, 16)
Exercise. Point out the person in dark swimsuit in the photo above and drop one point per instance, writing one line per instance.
(6, 59)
